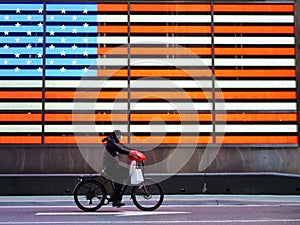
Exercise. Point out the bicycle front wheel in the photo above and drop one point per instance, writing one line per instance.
(148, 196)
(89, 195)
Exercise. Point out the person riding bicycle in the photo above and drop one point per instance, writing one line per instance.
(111, 166)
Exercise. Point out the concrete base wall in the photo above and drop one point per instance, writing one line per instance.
(228, 170)
(249, 183)
(66, 160)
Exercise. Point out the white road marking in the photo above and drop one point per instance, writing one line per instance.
(124, 213)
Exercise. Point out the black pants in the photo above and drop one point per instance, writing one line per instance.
(119, 175)
(118, 192)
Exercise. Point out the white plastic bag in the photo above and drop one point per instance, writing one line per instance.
(136, 174)
(132, 167)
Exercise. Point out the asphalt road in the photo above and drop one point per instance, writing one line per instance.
(179, 209)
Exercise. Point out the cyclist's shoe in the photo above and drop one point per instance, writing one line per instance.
(118, 204)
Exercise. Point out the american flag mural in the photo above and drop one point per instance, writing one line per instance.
(164, 73)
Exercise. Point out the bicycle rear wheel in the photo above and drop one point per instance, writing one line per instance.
(89, 195)
(148, 196)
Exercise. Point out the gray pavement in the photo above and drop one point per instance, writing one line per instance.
(176, 209)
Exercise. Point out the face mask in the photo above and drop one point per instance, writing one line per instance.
(120, 137)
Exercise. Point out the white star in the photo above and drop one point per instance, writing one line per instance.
(85, 11)
(6, 17)
(74, 31)
(63, 11)
(28, 47)
(29, 17)
(6, 47)
(63, 40)
(85, 25)
(6, 32)
(40, 55)
(85, 40)
(17, 69)
(28, 62)
(74, 47)
(52, 33)
(74, 18)
(17, 24)
(41, 10)
(63, 53)
(17, 40)
(85, 53)
(18, 10)
(51, 62)
(52, 47)
(5, 62)
(63, 69)
(17, 55)
(40, 24)
(40, 40)
(63, 27)
(28, 33)
(40, 69)
(52, 18)
(74, 62)
(85, 69)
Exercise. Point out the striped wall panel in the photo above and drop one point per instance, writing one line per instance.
(255, 71)
(21, 37)
(171, 77)
(86, 88)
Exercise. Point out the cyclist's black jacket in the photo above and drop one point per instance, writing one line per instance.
(111, 165)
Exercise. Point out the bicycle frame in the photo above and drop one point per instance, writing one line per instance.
(108, 184)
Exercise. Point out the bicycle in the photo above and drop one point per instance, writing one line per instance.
(94, 191)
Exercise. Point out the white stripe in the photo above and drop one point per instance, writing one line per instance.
(255, 40)
(83, 128)
(171, 128)
(121, 214)
(254, 62)
(20, 106)
(112, 40)
(257, 128)
(20, 83)
(112, 18)
(150, 106)
(253, 19)
(169, 40)
(256, 84)
(77, 106)
(166, 84)
(86, 84)
(170, 62)
(279, 106)
(170, 18)
(112, 62)
(20, 128)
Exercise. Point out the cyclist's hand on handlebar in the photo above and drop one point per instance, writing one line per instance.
(131, 152)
